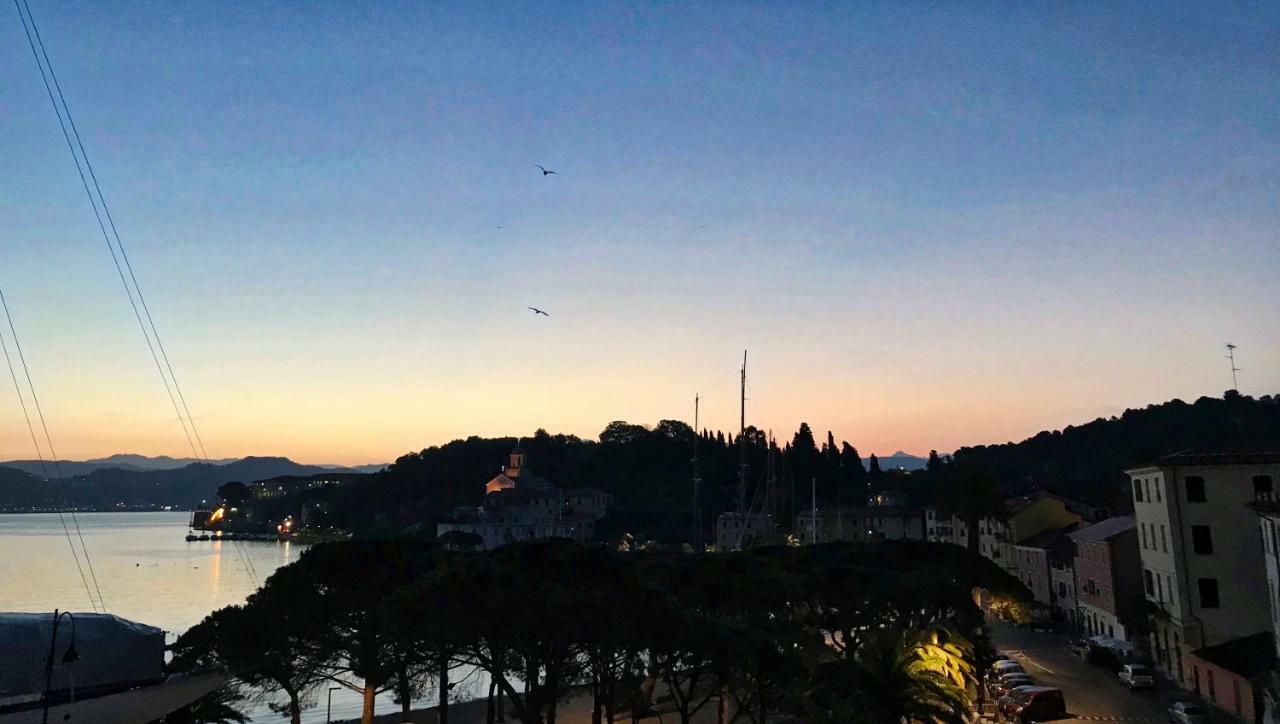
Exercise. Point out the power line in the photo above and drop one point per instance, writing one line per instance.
(119, 243)
(178, 402)
(97, 603)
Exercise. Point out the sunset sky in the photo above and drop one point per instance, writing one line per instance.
(931, 225)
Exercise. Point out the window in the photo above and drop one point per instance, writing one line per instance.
(1201, 540)
(1062, 589)
(1148, 579)
(1195, 489)
(1208, 592)
(1159, 590)
(1213, 693)
(1137, 491)
(1142, 528)
(1262, 487)
(1146, 488)
(1157, 484)
(1164, 540)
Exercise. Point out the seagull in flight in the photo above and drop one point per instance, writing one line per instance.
(537, 311)
(545, 171)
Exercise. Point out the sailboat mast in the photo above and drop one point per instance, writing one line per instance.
(697, 482)
(742, 443)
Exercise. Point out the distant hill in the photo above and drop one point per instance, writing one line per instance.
(1090, 459)
(106, 488)
(900, 460)
(134, 462)
(122, 461)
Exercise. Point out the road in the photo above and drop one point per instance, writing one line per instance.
(1092, 692)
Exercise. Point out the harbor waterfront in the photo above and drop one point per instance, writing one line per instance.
(149, 573)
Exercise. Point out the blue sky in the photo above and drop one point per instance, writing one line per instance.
(933, 225)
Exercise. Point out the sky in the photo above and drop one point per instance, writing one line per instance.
(931, 224)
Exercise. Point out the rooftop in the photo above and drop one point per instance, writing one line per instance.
(1046, 539)
(1248, 656)
(1104, 530)
(1013, 506)
(1226, 455)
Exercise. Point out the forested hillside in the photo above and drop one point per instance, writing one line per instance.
(1091, 458)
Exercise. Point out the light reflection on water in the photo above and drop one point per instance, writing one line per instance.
(148, 573)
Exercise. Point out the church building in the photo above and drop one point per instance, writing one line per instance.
(519, 505)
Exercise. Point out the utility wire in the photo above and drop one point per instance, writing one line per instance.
(155, 333)
(181, 409)
(98, 603)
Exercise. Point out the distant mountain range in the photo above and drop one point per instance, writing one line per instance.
(134, 462)
(110, 486)
(900, 460)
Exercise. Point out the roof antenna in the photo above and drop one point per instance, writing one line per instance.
(1231, 355)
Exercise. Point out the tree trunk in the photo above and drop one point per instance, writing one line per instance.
(722, 706)
(444, 689)
(760, 694)
(489, 710)
(553, 688)
(595, 701)
(295, 708)
(366, 712)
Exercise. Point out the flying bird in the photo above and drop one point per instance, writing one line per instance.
(537, 311)
(545, 171)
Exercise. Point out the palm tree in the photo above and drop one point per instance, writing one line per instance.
(897, 676)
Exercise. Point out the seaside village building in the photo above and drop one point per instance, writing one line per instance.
(521, 506)
(886, 516)
(1108, 574)
(1025, 517)
(1035, 559)
(1210, 575)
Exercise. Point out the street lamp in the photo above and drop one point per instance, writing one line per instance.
(328, 712)
(69, 656)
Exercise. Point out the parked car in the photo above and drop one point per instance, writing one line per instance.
(1000, 668)
(1011, 695)
(1185, 712)
(1136, 676)
(1009, 682)
(1035, 704)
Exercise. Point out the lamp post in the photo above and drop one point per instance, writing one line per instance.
(328, 711)
(68, 656)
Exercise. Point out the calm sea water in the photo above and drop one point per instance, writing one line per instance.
(148, 573)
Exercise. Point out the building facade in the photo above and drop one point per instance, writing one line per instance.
(1062, 577)
(1108, 570)
(1204, 572)
(1031, 564)
(865, 524)
(520, 506)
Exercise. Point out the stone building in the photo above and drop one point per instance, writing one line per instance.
(521, 506)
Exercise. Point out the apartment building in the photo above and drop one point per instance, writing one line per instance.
(1107, 569)
(1204, 569)
(1031, 564)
